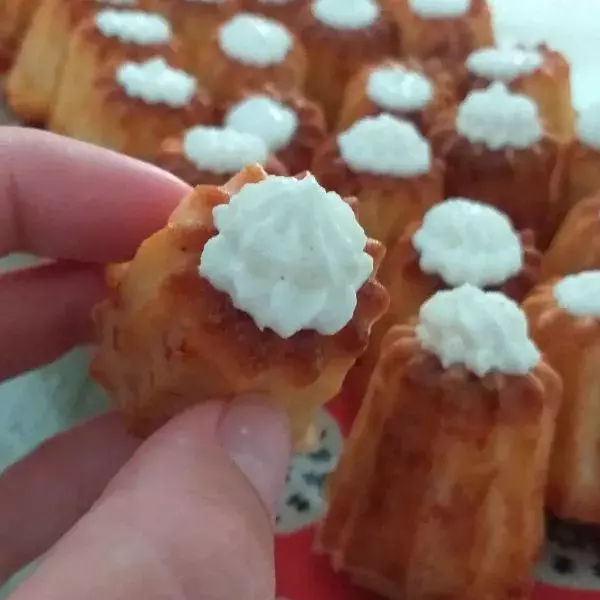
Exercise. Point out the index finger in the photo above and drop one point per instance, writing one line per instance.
(61, 198)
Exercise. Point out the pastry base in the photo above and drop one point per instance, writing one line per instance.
(572, 346)
(435, 460)
(31, 86)
(576, 246)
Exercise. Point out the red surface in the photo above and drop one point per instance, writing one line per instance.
(303, 575)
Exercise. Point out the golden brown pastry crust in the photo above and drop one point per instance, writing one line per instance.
(435, 459)
(335, 55)
(194, 22)
(223, 76)
(527, 185)
(409, 287)
(357, 104)
(132, 126)
(88, 51)
(386, 204)
(572, 346)
(32, 83)
(287, 13)
(172, 158)
(550, 88)
(310, 134)
(450, 40)
(15, 17)
(169, 339)
(583, 174)
(576, 246)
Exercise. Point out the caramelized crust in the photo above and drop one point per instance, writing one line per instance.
(436, 459)
(450, 40)
(169, 339)
(285, 12)
(129, 125)
(549, 86)
(172, 158)
(527, 185)
(357, 104)
(335, 55)
(386, 204)
(15, 17)
(224, 76)
(87, 52)
(583, 178)
(572, 346)
(576, 246)
(32, 82)
(310, 134)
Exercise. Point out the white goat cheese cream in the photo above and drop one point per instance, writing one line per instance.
(346, 14)
(395, 88)
(134, 26)
(483, 331)
(255, 41)
(266, 118)
(440, 9)
(499, 119)
(289, 254)
(579, 294)
(504, 63)
(155, 82)
(221, 150)
(468, 242)
(385, 145)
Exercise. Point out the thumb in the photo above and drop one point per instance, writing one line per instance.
(189, 517)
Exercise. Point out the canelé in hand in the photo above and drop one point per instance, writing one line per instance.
(264, 285)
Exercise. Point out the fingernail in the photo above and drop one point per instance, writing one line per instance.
(256, 436)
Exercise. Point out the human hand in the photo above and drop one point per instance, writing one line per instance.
(186, 515)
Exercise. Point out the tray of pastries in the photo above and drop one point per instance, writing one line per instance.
(421, 292)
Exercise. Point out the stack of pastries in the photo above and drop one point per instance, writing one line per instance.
(427, 235)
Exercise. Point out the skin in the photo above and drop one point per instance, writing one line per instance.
(185, 515)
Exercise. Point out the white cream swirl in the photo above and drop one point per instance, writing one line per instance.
(395, 88)
(385, 145)
(289, 254)
(579, 294)
(484, 331)
(266, 118)
(254, 40)
(499, 119)
(346, 14)
(588, 126)
(468, 242)
(504, 63)
(222, 150)
(134, 26)
(155, 82)
(440, 9)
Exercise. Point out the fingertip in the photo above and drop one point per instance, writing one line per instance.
(255, 432)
